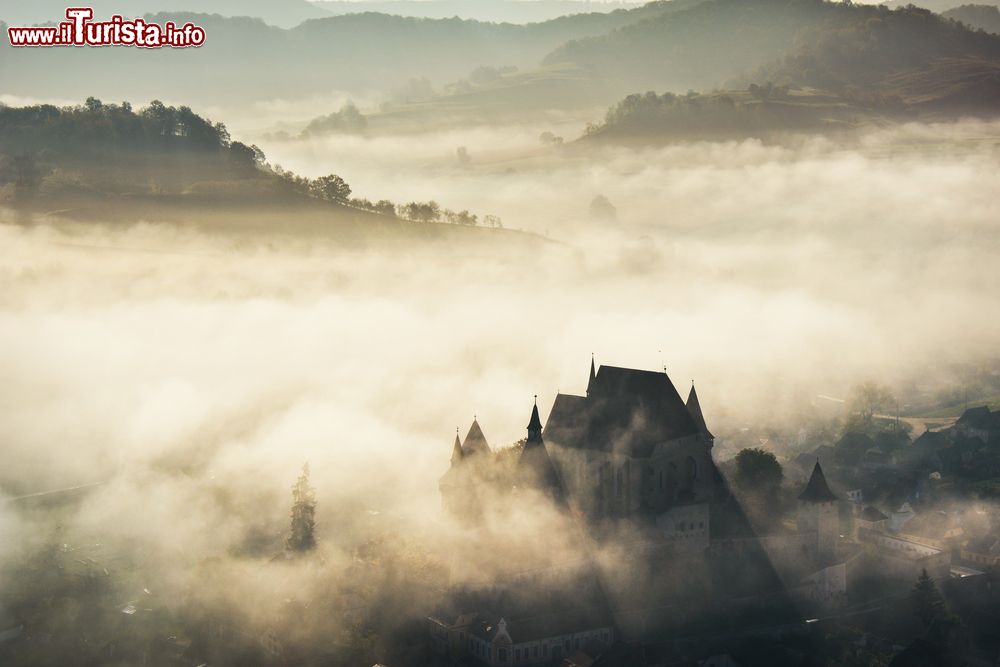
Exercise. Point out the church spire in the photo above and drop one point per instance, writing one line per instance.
(593, 375)
(456, 451)
(535, 424)
(694, 407)
(534, 467)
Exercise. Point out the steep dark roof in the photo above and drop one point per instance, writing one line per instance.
(456, 450)
(930, 440)
(626, 409)
(593, 373)
(981, 545)
(475, 441)
(817, 490)
(555, 625)
(978, 417)
(694, 407)
(851, 447)
(872, 514)
(535, 469)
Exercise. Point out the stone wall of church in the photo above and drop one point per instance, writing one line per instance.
(678, 472)
(823, 590)
(821, 520)
(686, 526)
(606, 484)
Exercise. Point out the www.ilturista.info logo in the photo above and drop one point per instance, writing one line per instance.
(79, 30)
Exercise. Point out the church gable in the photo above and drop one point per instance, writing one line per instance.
(626, 411)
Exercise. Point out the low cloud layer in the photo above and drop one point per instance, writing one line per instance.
(195, 372)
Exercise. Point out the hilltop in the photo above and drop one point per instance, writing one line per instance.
(804, 42)
(109, 162)
(977, 17)
(821, 67)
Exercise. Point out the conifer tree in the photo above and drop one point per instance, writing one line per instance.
(301, 537)
(926, 599)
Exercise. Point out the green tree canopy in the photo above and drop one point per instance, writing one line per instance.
(758, 470)
(331, 188)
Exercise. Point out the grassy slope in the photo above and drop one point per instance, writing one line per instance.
(301, 218)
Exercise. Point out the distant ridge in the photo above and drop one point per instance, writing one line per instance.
(498, 11)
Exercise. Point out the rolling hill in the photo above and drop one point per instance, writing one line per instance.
(841, 67)
(110, 163)
(977, 17)
(245, 59)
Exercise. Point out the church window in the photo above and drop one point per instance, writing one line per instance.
(691, 468)
(661, 480)
(502, 655)
(535, 652)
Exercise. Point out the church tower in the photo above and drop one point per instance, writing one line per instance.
(535, 469)
(818, 514)
(458, 485)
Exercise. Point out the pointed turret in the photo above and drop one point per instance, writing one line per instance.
(458, 485)
(817, 490)
(694, 407)
(535, 424)
(456, 451)
(535, 468)
(818, 516)
(475, 441)
(593, 375)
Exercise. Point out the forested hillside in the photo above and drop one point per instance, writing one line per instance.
(978, 17)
